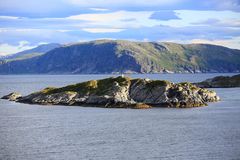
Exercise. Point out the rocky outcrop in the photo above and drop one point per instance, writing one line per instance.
(221, 82)
(164, 93)
(123, 92)
(12, 96)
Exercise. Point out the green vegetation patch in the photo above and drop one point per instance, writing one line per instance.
(98, 87)
(47, 90)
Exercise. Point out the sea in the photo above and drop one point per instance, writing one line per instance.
(41, 132)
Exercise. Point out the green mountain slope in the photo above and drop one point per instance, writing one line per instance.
(108, 56)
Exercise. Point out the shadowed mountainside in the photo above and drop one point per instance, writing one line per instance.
(109, 56)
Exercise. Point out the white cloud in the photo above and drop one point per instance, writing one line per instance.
(112, 16)
(116, 19)
(231, 43)
(226, 4)
(102, 30)
(99, 9)
(118, 3)
(193, 17)
(6, 49)
(122, 24)
(233, 22)
(13, 36)
(23, 44)
(9, 17)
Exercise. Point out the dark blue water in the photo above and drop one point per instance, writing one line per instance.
(60, 132)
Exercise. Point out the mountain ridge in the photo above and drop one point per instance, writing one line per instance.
(121, 56)
(29, 53)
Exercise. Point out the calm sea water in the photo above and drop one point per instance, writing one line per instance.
(29, 132)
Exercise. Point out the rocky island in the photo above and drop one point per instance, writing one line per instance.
(122, 92)
(221, 82)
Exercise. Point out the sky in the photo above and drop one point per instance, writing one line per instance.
(25, 24)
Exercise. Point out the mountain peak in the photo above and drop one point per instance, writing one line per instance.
(37, 51)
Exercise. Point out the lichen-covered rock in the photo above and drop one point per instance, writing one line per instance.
(184, 95)
(163, 93)
(221, 82)
(123, 92)
(149, 91)
(12, 96)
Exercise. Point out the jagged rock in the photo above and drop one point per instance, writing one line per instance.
(221, 82)
(123, 92)
(148, 91)
(64, 98)
(12, 96)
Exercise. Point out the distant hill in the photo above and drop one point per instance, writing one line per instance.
(41, 49)
(109, 56)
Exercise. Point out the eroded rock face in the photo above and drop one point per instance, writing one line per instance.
(148, 91)
(123, 92)
(64, 98)
(12, 96)
(163, 93)
(186, 95)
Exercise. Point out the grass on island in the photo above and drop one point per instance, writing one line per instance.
(101, 87)
(98, 87)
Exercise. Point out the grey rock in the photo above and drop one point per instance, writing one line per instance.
(123, 92)
(12, 96)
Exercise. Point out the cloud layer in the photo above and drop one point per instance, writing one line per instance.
(65, 21)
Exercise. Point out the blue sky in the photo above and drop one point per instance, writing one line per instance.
(27, 23)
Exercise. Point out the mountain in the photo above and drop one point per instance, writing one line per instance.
(110, 56)
(41, 49)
